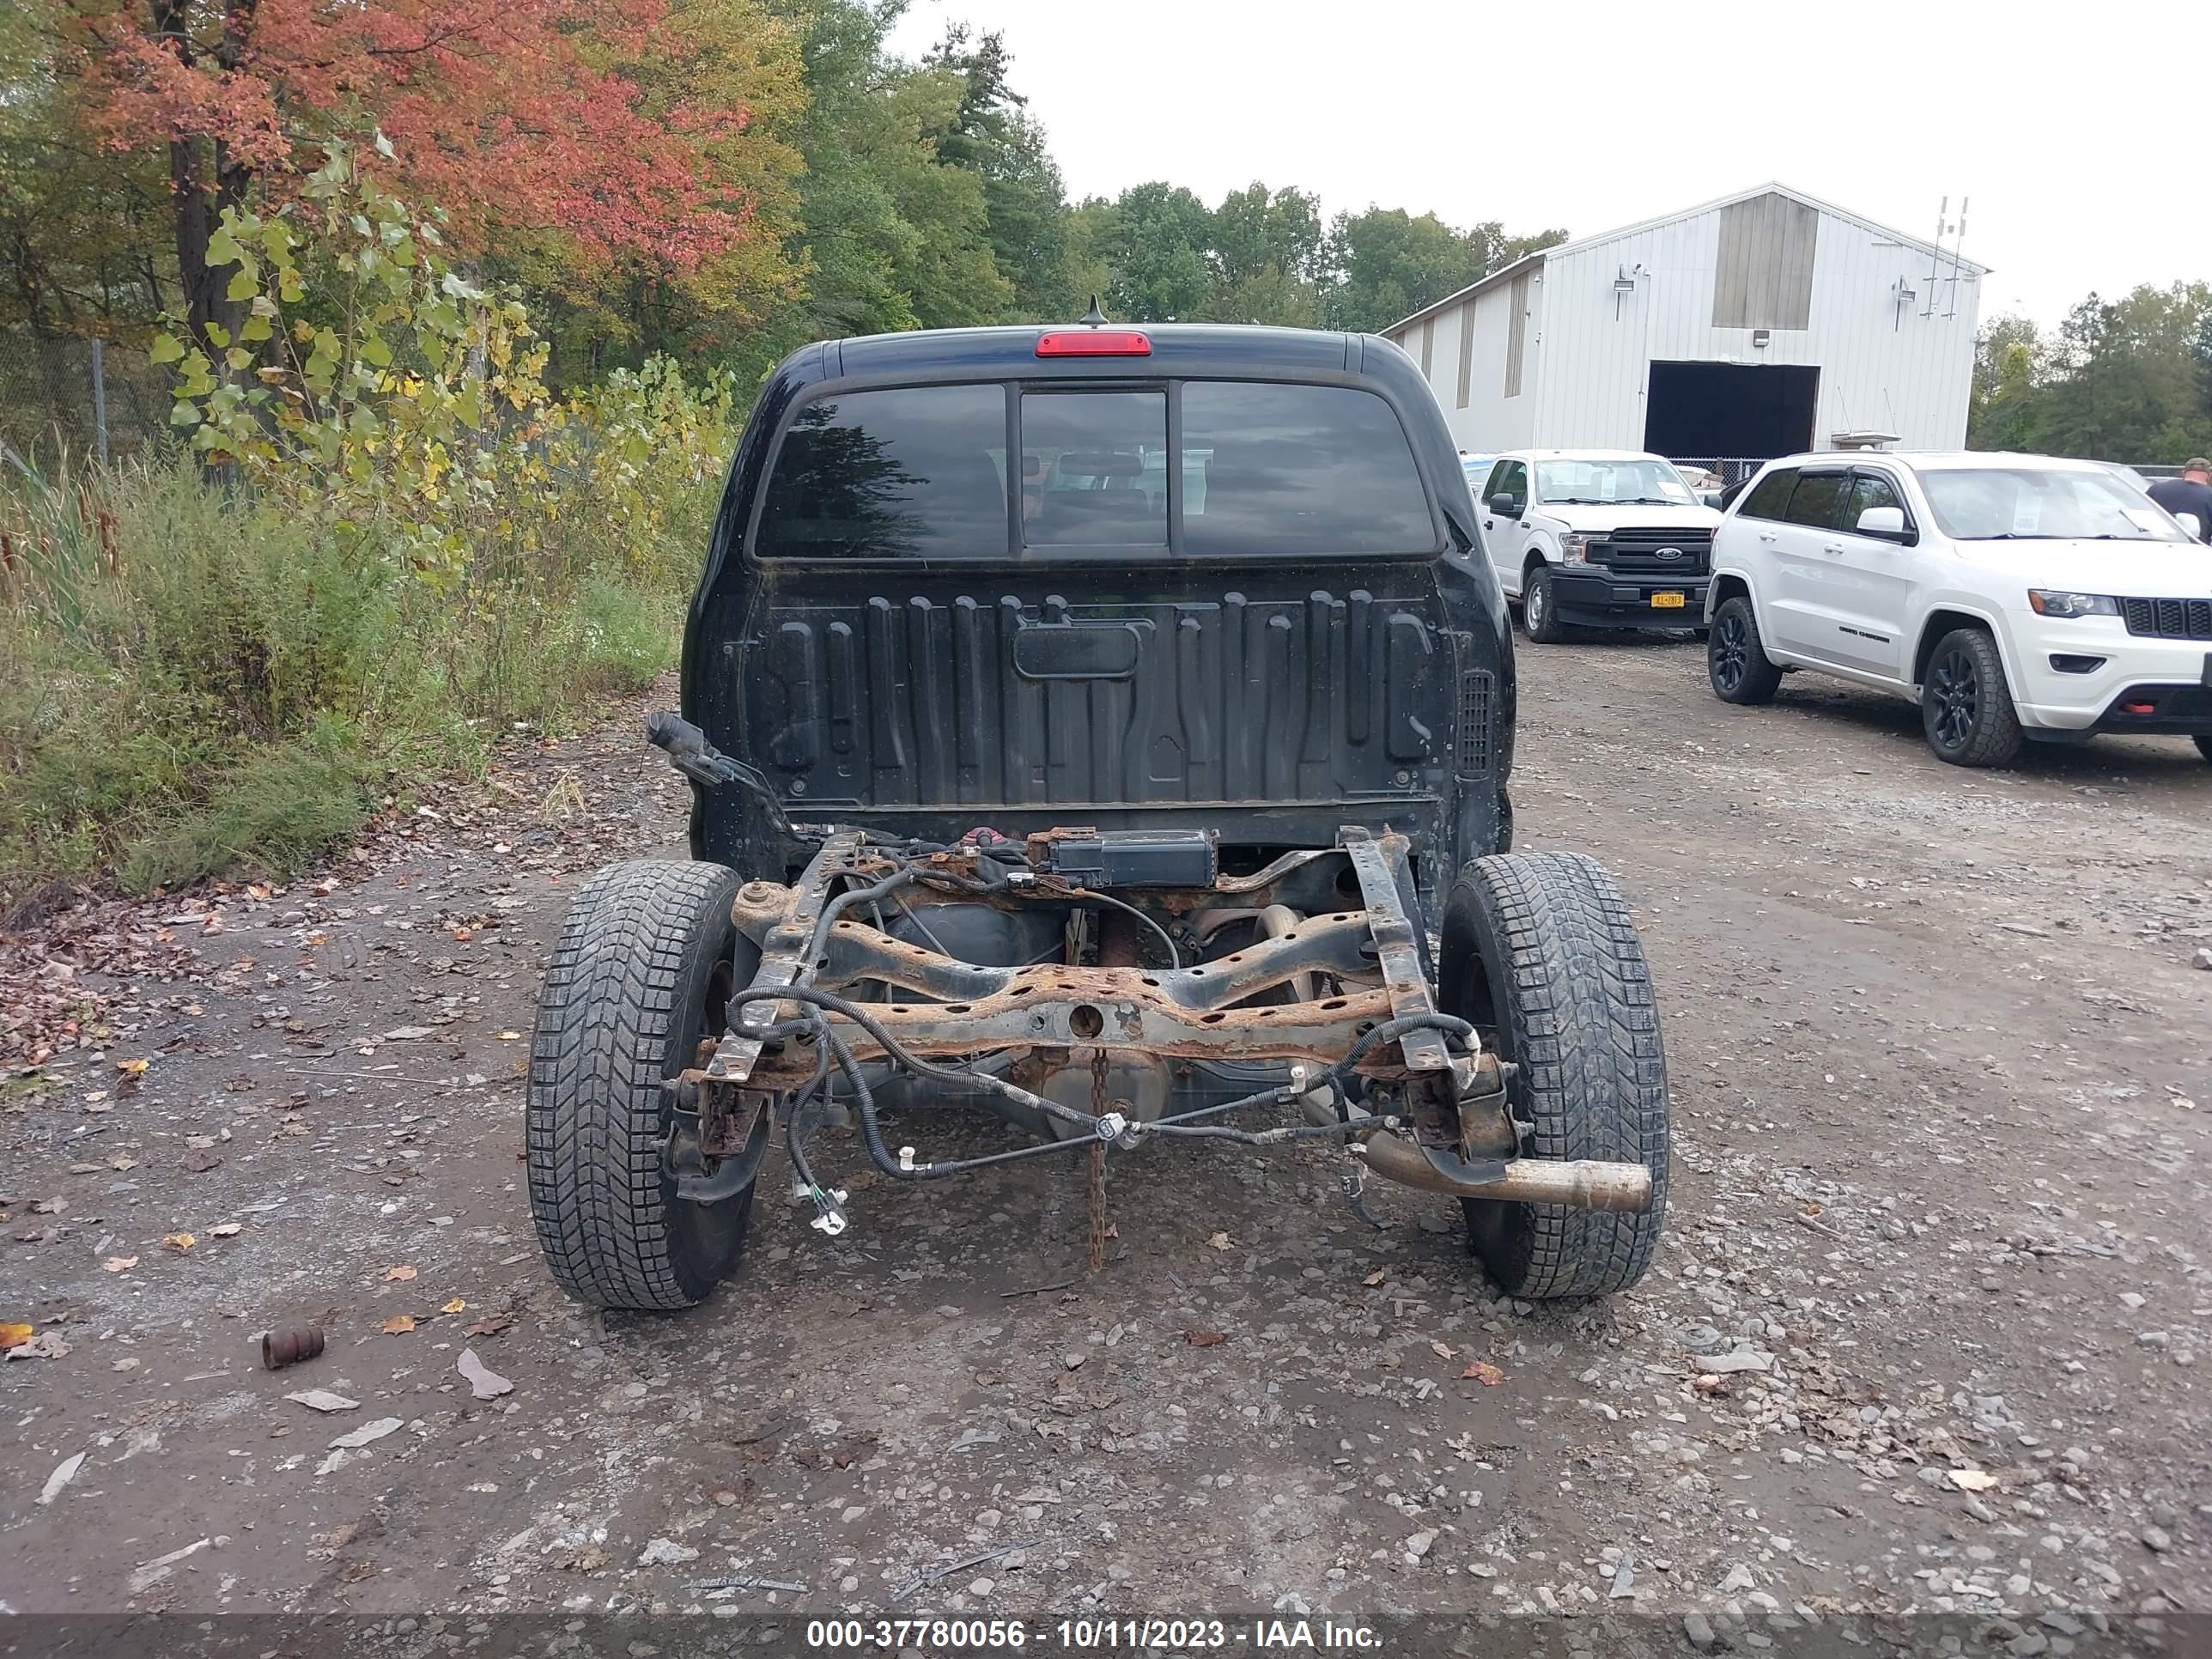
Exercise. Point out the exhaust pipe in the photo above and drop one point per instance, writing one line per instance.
(1584, 1184)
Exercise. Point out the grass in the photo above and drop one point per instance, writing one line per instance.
(195, 684)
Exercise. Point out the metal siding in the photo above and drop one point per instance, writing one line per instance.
(1516, 336)
(1466, 316)
(1764, 264)
(1910, 376)
(1428, 348)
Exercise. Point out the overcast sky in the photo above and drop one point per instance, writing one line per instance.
(2082, 138)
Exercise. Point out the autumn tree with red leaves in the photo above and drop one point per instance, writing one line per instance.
(583, 130)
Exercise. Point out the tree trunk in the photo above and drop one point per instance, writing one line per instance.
(197, 200)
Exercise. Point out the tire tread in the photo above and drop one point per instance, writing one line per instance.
(1587, 1039)
(597, 1113)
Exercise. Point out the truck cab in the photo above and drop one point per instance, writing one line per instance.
(1597, 539)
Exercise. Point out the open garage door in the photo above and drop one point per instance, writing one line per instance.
(1733, 410)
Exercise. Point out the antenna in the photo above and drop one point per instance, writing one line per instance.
(1958, 258)
(1095, 318)
(1936, 257)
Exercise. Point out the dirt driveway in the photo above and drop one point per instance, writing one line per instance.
(1930, 1331)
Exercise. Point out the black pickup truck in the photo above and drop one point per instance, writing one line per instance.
(1108, 728)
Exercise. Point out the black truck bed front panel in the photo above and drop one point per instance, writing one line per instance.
(1024, 701)
(929, 705)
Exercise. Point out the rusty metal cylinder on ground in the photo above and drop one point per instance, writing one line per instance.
(282, 1348)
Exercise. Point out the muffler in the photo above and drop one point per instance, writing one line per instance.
(1584, 1184)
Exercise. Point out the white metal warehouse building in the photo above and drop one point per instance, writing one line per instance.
(1762, 324)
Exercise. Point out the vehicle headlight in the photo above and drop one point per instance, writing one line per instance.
(2050, 602)
(1574, 548)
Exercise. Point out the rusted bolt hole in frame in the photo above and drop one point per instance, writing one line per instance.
(1085, 1021)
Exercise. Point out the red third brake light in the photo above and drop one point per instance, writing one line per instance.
(1094, 343)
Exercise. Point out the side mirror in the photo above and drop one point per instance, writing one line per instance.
(1884, 523)
(2192, 523)
(1505, 507)
(1711, 498)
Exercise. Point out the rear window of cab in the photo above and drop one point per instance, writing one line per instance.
(984, 471)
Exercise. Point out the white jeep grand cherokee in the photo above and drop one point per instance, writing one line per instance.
(2011, 596)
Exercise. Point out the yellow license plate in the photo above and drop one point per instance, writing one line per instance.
(1666, 601)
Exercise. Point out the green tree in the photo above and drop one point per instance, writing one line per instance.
(2129, 379)
(1025, 200)
(895, 237)
(1267, 257)
(1159, 249)
(2010, 362)
(2126, 386)
(83, 229)
(1386, 264)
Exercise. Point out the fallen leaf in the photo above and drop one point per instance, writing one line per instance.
(227, 1230)
(1442, 1351)
(1375, 1278)
(12, 1335)
(510, 1036)
(1204, 1338)
(119, 1264)
(1482, 1371)
(45, 1345)
(490, 1324)
(1970, 1479)
(1219, 1241)
(462, 935)
(181, 1242)
(132, 1067)
(401, 1273)
(484, 1382)
(455, 1306)
(400, 1324)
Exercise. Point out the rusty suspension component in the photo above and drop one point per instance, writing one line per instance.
(1582, 1184)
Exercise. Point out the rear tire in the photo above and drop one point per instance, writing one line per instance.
(1538, 613)
(1965, 706)
(1540, 954)
(1736, 663)
(646, 963)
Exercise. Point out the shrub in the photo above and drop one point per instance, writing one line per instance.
(387, 541)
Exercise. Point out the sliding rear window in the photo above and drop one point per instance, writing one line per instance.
(1295, 470)
(910, 472)
(1263, 469)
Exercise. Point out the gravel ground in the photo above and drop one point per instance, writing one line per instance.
(1929, 1333)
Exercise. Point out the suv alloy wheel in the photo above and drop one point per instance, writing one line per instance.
(1965, 706)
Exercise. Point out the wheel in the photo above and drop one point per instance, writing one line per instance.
(2204, 747)
(1965, 707)
(646, 963)
(1537, 612)
(1735, 662)
(1541, 954)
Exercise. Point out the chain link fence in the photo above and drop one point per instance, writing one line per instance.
(84, 396)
